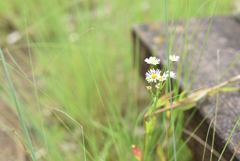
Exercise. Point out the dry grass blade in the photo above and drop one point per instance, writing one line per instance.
(191, 100)
(23, 144)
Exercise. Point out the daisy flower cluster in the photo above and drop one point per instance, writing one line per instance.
(156, 76)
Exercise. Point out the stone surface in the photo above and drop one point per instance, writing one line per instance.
(224, 37)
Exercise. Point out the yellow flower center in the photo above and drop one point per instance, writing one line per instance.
(152, 61)
(160, 78)
(174, 58)
(154, 76)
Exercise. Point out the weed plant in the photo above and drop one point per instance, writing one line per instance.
(77, 88)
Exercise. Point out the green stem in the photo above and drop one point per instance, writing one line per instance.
(229, 139)
(30, 146)
(170, 90)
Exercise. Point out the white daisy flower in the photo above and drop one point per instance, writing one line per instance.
(172, 74)
(152, 60)
(174, 57)
(162, 77)
(149, 88)
(152, 75)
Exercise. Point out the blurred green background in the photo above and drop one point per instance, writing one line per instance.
(83, 64)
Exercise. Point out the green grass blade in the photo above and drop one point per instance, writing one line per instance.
(216, 110)
(36, 91)
(30, 146)
(109, 124)
(185, 143)
(78, 125)
(229, 68)
(204, 43)
(170, 90)
(229, 138)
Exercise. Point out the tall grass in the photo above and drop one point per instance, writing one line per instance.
(90, 77)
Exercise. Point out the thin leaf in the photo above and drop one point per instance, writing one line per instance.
(225, 89)
(187, 106)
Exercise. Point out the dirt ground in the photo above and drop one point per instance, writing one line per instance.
(10, 147)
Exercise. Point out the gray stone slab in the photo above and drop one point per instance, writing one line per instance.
(225, 37)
